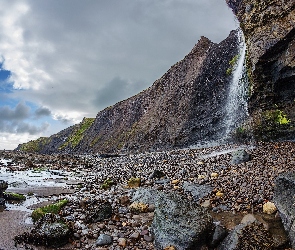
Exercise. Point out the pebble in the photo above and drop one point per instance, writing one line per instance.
(122, 242)
(134, 236)
(269, 208)
(214, 175)
(104, 239)
(147, 238)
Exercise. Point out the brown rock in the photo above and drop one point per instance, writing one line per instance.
(134, 182)
(137, 207)
(170, 248)
(148, 238)
(124, 200)
(122, 242)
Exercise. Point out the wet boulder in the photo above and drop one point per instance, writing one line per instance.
(2, 203)
(98, 211)
(219, 234)
(197, 191)
(157, 174)
(49, 231)
(3, 187)
(104, 239)
(177, 221)
(248, 236)
(284, 194)
(240, 156)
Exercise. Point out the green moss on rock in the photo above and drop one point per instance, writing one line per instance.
(53, 209)
(34, 145)
(232, 63)
(107, 184)
(78, 134)
(134, 182)
(271, 125)
(14, 196)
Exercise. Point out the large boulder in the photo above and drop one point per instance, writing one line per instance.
(177, 221)
(49, 231)
(97, 211)
(240, 156)
(284, 194)
(248, 236)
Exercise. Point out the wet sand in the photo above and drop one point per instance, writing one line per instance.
(12, 224)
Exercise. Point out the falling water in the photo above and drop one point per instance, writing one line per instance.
(236, 103)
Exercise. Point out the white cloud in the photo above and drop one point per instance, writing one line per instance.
(10, 141)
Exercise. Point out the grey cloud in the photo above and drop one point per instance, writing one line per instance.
(40, 112)
(31, 129)
(22, 127)
(13, 120)
(63, 120)
(86, 45)
(19, 113)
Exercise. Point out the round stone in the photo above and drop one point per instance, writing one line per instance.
(269, 208)
(104, 239)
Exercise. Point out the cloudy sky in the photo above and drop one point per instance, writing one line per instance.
(62, 60)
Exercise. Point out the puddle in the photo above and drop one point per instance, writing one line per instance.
(45, 178)
(24, 205)
(222, 152)
(38, 186)
(5, 161)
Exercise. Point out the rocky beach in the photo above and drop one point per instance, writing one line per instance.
(203, 159)
(113, 201)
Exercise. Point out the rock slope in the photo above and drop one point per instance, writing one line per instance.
(64, 141)
(183, 107)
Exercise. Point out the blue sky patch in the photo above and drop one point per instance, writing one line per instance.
(4, 74)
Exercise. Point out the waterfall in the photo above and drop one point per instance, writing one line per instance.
(235, 109)
(236, 102)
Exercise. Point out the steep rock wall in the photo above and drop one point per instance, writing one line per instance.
(269, 29)
(183, 107)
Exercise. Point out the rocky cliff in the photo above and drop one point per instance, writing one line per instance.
(269, 29)
(185, 106)
(64, 141)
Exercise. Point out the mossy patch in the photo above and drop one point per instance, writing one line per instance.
(270, 125)
(35, 145)
(39, 169)
(78, 133)
(232, 63)
(107, 184)
(53, 209)
(14, 196)
(134, 182)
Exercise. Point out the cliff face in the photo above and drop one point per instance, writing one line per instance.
(269, 29)
(185, 106)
